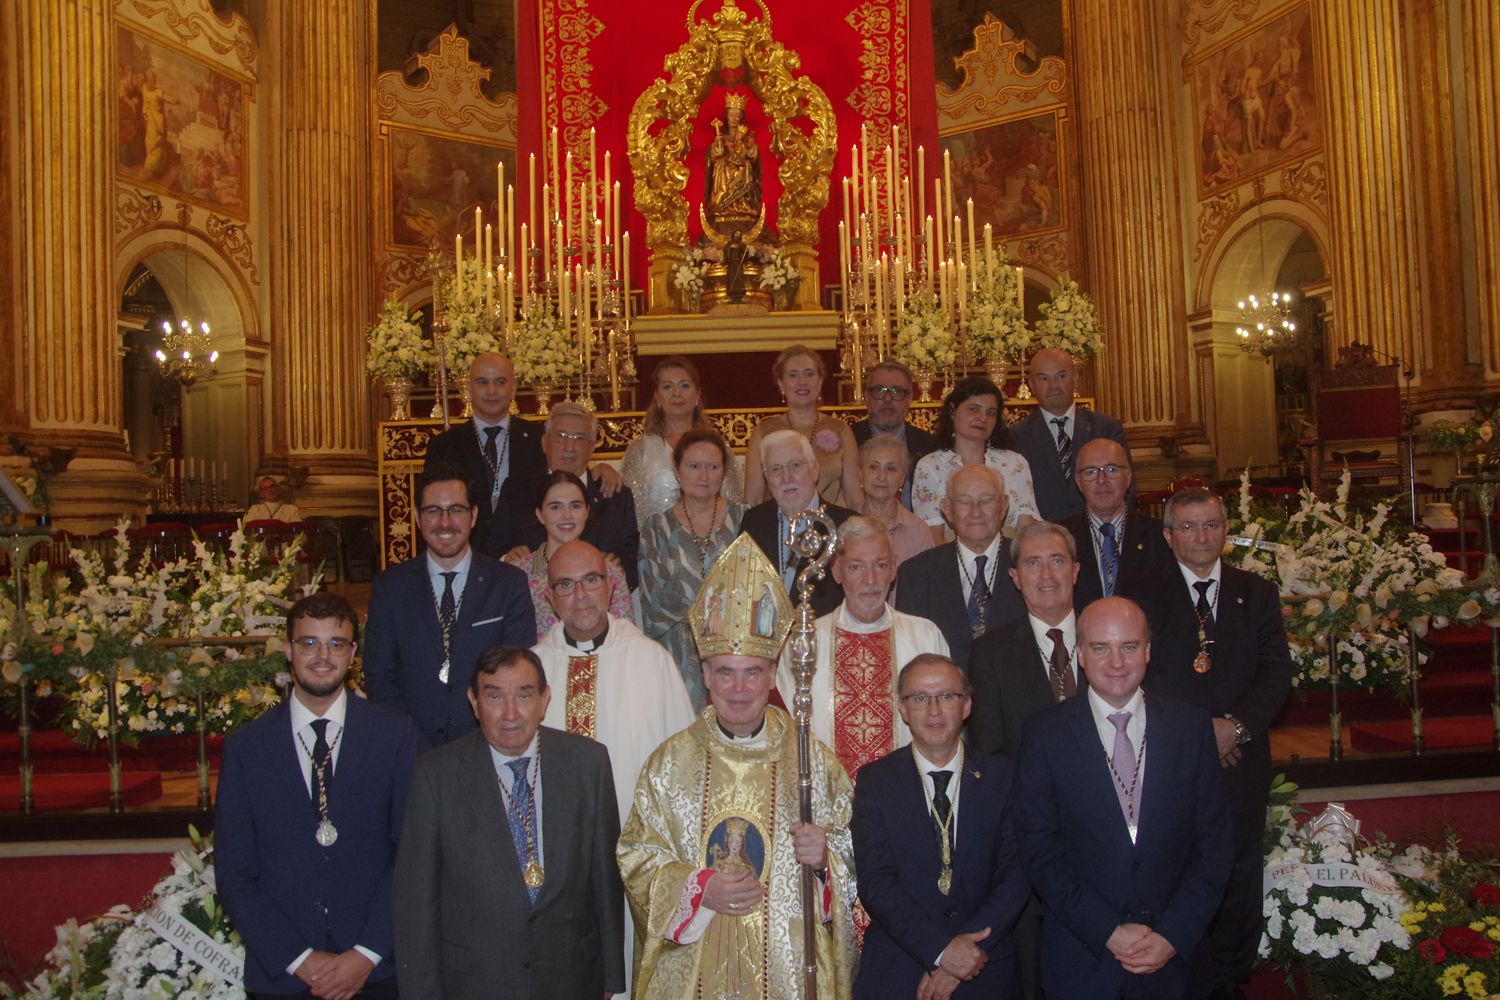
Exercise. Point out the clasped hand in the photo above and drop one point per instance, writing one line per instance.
(1140, 949)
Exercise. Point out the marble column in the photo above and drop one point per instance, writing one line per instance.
(1481, 115)
(321, 289)
(1372, 193)
(1127, 76)
(63, 350)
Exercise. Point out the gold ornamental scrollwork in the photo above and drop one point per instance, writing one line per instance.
(223, 35)
(402, 272)
(1213, 216)
(1307, 180)
(1052, 253)
(134, 209)
(661, 122)
(234, 239)
(993, 78)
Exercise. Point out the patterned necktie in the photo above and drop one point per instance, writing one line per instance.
(1123, 759)
(1064, 446)
(322, 775)
(448, 606)
(1109, 558)
(941, 806)
(1205, 610)
(492, 459)
(1064, 684)
(979, 596)
(523, 816)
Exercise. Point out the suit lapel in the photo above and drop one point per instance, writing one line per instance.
(485, 799)
(1157, 783)
(973, 805)
(560, 809)
(284, 752)
(1096, 783)
(347, 772)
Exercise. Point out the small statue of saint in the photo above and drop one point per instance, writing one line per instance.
(733, 195)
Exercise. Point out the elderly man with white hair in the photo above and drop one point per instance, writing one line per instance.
(862, 645)
(791, 470)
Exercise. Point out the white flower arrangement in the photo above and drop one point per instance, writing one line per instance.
(397, 348)
(1070, 321)
(925, 339)
(472, 329)
(541, 348)
(778, 272)
(997, 326)
(691, 274)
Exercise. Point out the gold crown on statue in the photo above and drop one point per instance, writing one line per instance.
(742, 608)
(736, 101)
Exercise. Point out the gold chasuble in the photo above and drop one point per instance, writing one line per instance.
(706, 803)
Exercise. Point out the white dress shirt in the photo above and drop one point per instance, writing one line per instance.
(1214, 575)
(1136, 730)
(966, 560)
(435, 576)
(1067, 417)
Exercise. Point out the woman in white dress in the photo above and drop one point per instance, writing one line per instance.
(676, 408)
(970, 429)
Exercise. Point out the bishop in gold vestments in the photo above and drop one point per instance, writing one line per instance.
(710, 852)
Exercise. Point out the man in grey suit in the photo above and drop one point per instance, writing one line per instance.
(1051, 434)
(506, 883)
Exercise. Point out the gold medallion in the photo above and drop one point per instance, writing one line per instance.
(443, 673)
(1201, 662)
(532, 875)
(327, 834)
(945, 880)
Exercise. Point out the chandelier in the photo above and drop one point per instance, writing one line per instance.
(186, 354)
(1266, 323)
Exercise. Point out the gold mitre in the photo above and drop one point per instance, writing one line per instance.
(742, 608)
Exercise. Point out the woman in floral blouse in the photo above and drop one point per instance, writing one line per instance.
(970, 429)
(799, 372)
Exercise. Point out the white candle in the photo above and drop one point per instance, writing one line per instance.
(1020, 288)
(546, 227)
(567, 219)
(625, 274)
(614, 237)
(458, 267)
(525, 264)
(488, 274)
(598, 265)
(531, 195)
(927, 232)
(844, 255)
(973, 252)
(989, 256)
(921, 182)
(890, 195)
(948, 187)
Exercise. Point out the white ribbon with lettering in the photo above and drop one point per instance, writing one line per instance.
(226, 961)
(1336, 875)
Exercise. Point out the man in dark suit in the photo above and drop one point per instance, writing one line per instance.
(307, 820)
(499, 454)
(791, 470)
(887, 401)
(1126, 845)
(964, 586)
(938, 870)
(1120, 552)
(1221, 645)
(1051, 434)
(431, 616)
(506, 883)
(1018, 670)
(568, 444)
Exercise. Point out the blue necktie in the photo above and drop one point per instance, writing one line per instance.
(979, 596)
(523, 816)
(1109, 558)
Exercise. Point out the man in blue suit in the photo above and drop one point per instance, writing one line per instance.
(431, 616)
(310, 802)
(1052, 433)
(1127, 845)
(936, 853)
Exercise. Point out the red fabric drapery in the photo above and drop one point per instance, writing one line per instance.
(582, 63)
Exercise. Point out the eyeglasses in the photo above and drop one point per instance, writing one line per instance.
(574, 436)
(592, 581)
(336, 647)
(432, 511)
(888, 392)
(1191, 527)
(921, 699)
(794, 468)
(1092, 472)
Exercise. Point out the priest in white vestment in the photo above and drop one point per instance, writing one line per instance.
(862, 646)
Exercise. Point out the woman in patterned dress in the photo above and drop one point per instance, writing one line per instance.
(676, 408)
(562, 506)
(970, 429)
(679, 545)
(799, 372)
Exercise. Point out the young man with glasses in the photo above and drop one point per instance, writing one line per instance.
(432, 615)
(307, 820)
(615, 685)
(887, 402)
(1053, 433)
(1120, 551)
(940, 920)
(1218, 643)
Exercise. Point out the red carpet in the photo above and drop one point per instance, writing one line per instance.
(80, 791)
(1441, 734)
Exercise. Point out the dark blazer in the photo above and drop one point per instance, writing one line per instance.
(1078, 853)
(494, 535)
(1057, 495)
(896, 855)
(1006, 668)
(403, 648)
(283, 891)
(1251, 672)
(611, 528)
(465, 924)
(928, 585)
(760, 523)
(1144, 556)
